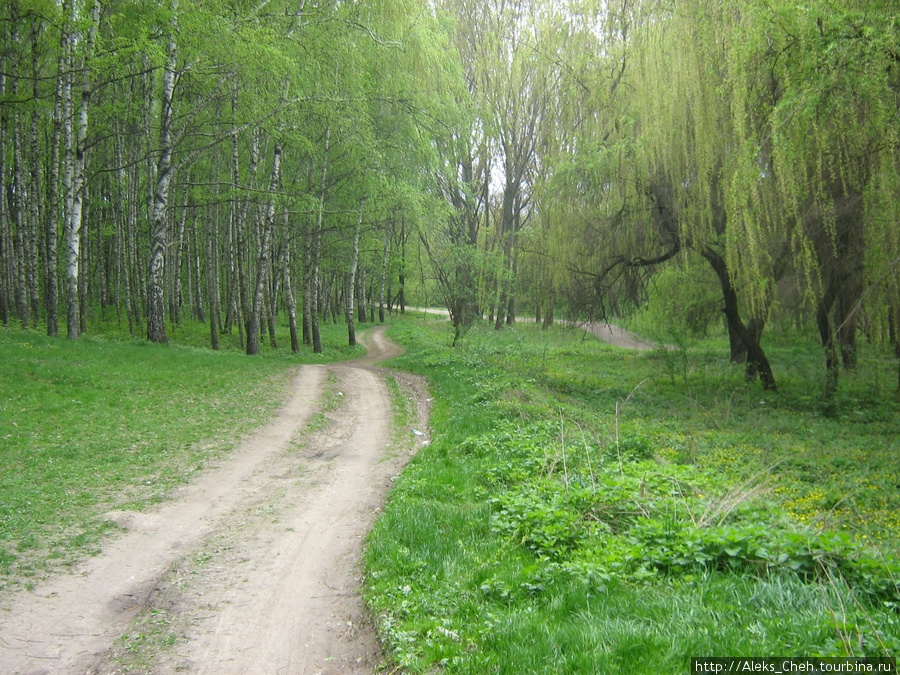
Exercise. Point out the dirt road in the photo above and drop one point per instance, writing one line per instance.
(253, 567)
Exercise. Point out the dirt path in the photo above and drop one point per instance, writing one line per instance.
(252, 568)
(603, 330)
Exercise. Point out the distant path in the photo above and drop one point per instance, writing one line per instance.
(251, 568)
(603, 330)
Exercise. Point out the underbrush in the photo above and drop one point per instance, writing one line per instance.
(98, 424)
(586, 509)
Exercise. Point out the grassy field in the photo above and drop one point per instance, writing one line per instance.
(586, 509)
(98, 424)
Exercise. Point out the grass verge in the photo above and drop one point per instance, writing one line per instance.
(586, 509)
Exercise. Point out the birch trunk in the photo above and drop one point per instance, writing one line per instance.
(317, 249)
(253, 323)
(198, 269)
(241, 234)
(212, 285)
(307, 288)
(16, 195)
(51, 223)
(384, 261)
(275, 286)
(6, 257)
(361, 301)
(175, 302)
(75, 180)
(18, 206)
(231, 240)
(156, 311)
(351, 284)
(289, 294)
(34, 211)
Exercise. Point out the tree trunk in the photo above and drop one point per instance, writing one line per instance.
(242, 237)
(253, 323)
(156, 316)
(361, 300)
(756, 357)
(275, 286)
(212, 286)
(317, 248)
(307, 289)
(894, 334)
(19, 216)
(501, 310)
(548, 314)
(231, 277)
(7, 257)
(174, 270)
(290, 300)
(384, 263)
(35, 204)
(351, 282)
(829, 344)
(198, 269)
(75, 179)
(401, 299)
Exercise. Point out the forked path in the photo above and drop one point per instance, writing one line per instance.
(253, 567)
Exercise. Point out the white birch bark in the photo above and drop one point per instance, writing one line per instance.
(75, 171)
(253, 323)
(5, 245)
(156, 312)
(384, 262)
(351, 284)
(18, 206)
(289, 292)
(35, 203)
(317, 249)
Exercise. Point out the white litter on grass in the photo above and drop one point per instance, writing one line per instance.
(418, 433)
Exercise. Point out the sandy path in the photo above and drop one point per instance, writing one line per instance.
(252, 568)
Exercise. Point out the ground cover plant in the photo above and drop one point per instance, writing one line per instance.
(98, 424)
(586, 509)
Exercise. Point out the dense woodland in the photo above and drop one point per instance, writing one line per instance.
(240, 162)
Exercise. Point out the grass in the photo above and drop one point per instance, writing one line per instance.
(98, 424)
(587, 509)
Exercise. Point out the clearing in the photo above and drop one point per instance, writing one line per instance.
(252, 567)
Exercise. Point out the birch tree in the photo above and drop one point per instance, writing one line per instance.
(76, 145)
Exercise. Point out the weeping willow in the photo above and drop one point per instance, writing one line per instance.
(768, 135)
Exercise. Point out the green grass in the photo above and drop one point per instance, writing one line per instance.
(98, 424)
(586, 509)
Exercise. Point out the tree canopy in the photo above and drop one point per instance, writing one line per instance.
(232, 161)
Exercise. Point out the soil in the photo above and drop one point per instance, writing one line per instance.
(254, 567)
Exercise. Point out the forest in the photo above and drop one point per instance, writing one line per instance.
(722, 164)
(204, 202)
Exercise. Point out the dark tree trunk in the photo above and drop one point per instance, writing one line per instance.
(548, 315)
(755, 356)
(501, 311)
